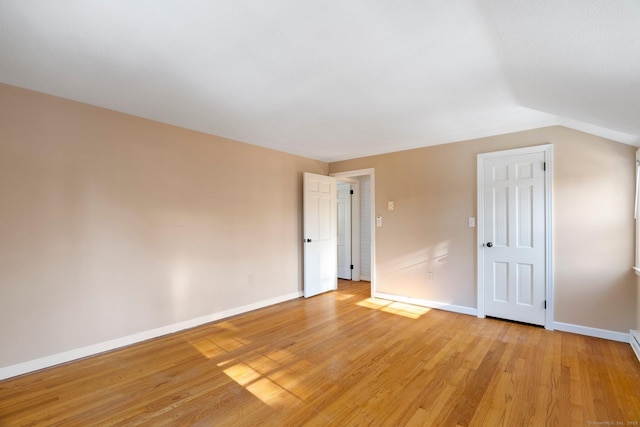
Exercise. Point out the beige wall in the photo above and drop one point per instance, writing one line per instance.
(434, 190)
(112, 225)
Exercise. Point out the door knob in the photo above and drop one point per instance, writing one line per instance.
(489, 244)
(308, 240)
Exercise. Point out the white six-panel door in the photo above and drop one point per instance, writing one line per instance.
(512, 239)
(320, 244)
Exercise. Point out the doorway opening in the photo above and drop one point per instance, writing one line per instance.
(362, 224)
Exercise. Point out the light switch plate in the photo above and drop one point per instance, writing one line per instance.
(390, 205)
(472, 221)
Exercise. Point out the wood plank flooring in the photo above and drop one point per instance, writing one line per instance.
(340, 359)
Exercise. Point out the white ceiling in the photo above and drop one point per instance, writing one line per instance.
(337, 79)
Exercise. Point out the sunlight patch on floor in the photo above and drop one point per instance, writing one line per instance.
(373, 303)
(394, 307)
(342, 296)
(407, 310)
(242, 374)
(222, 345)
(263, 364)
(264, 385)
(271, 393)
(208, 349)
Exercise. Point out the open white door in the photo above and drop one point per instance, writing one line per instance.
(344, 230)
(320, 231)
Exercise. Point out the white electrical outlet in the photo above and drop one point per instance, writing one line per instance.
(472, 222)
(378, 221)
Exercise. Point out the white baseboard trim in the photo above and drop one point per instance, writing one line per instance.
(431, 304)
(591, 332)
(91, 350)
(634, 339)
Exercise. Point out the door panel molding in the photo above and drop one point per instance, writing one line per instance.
(547, 150)
(319, 226)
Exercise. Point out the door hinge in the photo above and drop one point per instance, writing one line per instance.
(545, 304)
(352, 266)
(544, 166)
(351, 191)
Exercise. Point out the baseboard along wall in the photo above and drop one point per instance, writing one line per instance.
(91, 350)
(558, 326)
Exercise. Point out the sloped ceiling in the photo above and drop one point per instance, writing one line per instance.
(337, 79)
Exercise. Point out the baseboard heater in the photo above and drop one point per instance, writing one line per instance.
(635, 342)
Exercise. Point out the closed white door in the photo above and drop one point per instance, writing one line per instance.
(320, 243)
(513, 247)
(344, 230)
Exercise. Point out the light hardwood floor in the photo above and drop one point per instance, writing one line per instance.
(340, 359)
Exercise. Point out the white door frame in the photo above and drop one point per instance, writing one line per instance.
(547, 149)
(371, 174)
